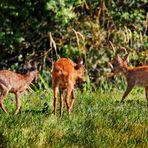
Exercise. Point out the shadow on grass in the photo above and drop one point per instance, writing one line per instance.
(45, 110)
(132, 103)
(3, 141)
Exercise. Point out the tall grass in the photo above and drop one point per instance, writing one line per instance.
(97, 120)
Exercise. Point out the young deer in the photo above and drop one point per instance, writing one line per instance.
(64, 76)
(137, 76)
(16, 83)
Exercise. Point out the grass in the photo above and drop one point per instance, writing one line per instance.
(97, 120)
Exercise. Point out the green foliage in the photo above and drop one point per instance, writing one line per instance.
(129, 12)
(62, 10)
(78, 28)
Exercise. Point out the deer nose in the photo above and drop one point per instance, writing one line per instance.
(84, 81)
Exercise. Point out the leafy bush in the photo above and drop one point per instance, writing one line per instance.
(77, 28)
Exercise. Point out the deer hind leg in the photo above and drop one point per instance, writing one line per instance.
(55, 99)
(61, 102)
(4, 93)
(18, 102)
(127, 91)
(69, 90)
(73, 99)
(146, 92)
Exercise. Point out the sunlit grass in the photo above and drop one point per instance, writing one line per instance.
(97, 120)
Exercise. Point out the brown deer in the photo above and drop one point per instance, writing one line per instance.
(16, 83)
(137, 76)
(65, 73)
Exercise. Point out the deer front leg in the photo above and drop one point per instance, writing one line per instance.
(73, 99)
(18, 103)
(55, 99)
(146, 92)
(128, 89)
(61, 102)
(3, 95)
(2, 105)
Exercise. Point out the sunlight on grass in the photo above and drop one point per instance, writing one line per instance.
(97, 120)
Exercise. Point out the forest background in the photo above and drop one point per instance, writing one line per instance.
(45, 30)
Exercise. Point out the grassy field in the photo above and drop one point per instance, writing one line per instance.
(98, 120)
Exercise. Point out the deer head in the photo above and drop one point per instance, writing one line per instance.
(32, 69)
(79, 67)
(119, 64)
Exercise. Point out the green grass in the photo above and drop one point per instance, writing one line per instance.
(97, 120)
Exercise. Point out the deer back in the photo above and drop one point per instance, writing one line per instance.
(16, 81)
(65, 71)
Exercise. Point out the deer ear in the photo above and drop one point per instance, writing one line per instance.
(79, 63)
(119, 59)
(34, 64)
(31, 65)
(126, 57)
(28, 64)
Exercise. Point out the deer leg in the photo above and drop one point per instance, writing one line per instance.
(69, 90)
(146, 92)
(2, 105)
(55, 99)
(3, 95)
(128, 89)
(18, 102)
(73, 99)
(61, 102)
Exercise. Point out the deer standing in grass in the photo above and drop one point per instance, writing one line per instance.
(16, 83)
(64, 76)
(137, 76)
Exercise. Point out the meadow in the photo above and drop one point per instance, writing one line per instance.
(97, 120)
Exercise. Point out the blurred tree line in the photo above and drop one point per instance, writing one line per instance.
(45, 30)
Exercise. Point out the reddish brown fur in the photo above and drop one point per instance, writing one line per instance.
(64, 76)
(137, 76)
(15, 83)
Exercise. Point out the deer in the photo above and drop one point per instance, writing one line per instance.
(16, 83)
(65, 74)
(136, 76)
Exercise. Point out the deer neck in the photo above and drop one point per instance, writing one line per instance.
(124, 70)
